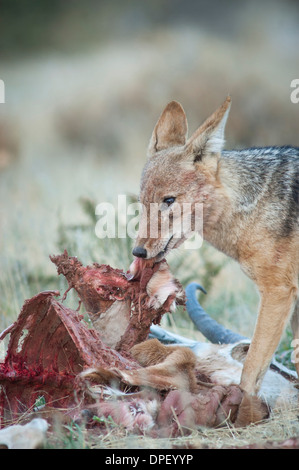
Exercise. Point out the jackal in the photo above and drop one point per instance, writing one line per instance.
(250, 204)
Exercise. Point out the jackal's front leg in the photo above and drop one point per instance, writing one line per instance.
(277, 304)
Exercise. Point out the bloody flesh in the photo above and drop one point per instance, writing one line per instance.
(50, 344)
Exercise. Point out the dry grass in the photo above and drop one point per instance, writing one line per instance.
(283, 424)
(81, 123)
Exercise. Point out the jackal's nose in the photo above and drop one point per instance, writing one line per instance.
(139, 251)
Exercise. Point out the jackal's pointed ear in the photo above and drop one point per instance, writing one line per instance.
(209, 138)
(171, 129)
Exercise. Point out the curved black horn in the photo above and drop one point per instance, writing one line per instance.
(209, 327)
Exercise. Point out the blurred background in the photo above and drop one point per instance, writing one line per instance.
(85, 82)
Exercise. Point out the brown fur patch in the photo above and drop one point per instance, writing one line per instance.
(166, 367)
(151, 352)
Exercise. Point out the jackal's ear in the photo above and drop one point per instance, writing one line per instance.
(209, 138)
(171, 129)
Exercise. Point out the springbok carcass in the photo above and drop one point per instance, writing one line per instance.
(222, 357)
(201, 380)
(120, 366)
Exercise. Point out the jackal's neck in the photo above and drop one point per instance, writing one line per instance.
(235, 197)
(245, 175)
(251, 174)
(256, 187)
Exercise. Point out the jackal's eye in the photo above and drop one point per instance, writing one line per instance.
(169, 200)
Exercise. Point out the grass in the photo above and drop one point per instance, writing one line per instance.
(64, 149)
(282, 424)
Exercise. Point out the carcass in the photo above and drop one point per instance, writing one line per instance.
(50, 344)
(120, 367)
(222, 357)
(122, 306)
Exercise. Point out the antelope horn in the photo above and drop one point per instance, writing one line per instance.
(209, 327)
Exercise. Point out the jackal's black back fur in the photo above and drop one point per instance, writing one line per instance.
(267, 179)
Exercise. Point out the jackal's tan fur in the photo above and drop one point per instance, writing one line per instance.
(250, 212)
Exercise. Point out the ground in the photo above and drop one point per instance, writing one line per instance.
(74, 132)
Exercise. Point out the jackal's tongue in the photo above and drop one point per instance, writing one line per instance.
(138, 266)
